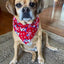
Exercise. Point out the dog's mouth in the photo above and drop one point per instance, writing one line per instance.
(26, 17)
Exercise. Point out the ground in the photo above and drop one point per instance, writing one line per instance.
(6, 52)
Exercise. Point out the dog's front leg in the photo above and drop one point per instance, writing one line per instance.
(16, 51)
(33, 55)
(39, 47)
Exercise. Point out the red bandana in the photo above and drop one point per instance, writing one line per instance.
(26, 32)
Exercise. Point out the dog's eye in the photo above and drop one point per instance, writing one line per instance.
(32, 4)
(18, 5)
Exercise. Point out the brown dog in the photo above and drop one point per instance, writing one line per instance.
(25, 12)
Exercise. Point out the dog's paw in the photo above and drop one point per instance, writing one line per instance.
(33, 57)
(33, 60)
(53, 48)
(41, 60)
(13, 62)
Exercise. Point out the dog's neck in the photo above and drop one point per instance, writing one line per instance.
(26, 32)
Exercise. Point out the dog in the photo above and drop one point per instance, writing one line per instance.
(27, 31)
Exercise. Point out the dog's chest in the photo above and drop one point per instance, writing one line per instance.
(30, 47)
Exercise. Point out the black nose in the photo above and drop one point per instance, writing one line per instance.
(25, 10)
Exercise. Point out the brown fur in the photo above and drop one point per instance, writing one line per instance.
(37, 40)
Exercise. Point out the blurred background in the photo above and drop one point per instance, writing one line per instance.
(52, 17)
(52, 20)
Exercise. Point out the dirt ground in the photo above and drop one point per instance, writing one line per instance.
(51, 57)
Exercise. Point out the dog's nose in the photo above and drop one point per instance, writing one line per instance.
(25, 10)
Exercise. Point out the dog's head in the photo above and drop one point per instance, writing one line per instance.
(25, 10)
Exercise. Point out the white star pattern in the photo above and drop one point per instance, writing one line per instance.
(33, 31)
(24, 37)
(21, 33)
(14, 18)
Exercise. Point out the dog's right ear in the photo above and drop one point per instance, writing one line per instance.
(10, 5)
(40, 6)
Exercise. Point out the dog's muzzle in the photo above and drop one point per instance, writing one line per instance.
(26, 14)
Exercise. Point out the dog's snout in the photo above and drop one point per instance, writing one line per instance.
(25, 10)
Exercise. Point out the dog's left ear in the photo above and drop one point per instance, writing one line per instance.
(40, 6)
(10, 5)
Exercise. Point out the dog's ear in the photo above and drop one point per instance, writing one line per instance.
(10, 5)
(40, 6)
